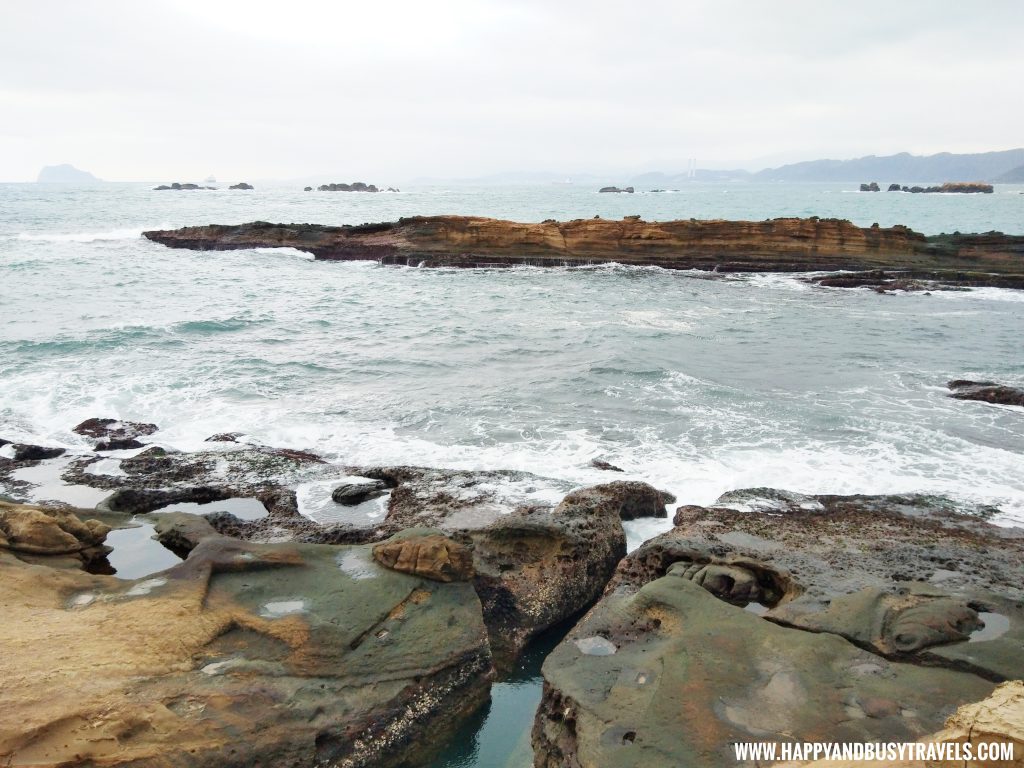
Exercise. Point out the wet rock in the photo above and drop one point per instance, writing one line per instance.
(25, 452)
(351, 494)
(114, 429)
(118, 444)
(224, 437)
(241, 185)
(872, 187)
(869, 626)
(426, 553)
(601, 464)
(241, 655)
(986, 392)
(894, 188)
(181, 532)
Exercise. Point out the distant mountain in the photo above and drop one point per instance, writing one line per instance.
(1014, 176)
(65, 174)
(902, 168)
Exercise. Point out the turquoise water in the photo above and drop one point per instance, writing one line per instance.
(695, 382)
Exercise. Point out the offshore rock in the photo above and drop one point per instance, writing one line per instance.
(986, 392)
(243, 655)
(628, 190)
(355, 186)
(872, 187)
(775, 245)
(241, 185)
(26, 452)
(775, 616)
(114, 434)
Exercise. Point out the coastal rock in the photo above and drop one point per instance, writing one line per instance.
(307, 189)
(828, 619)
(606, 466)
(351, 494)
(948, 187)
(986, 392)
(179, 186)
(628, 190)
(39, 530)
(115, 430)
(774, 245)
(242, 655)
(224, 437)
(426, 553)
(894, 188)
(998, 719)
(26, 452)
(241, 185)
(872, 187)
(355, 186)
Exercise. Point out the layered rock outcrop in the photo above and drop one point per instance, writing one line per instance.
(787, 244)
(986, 392)
(827, 619)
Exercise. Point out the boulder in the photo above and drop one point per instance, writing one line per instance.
(872, 187)
(776, 616)
(894, 188)
(224, 437)
(242, 655)
(986, 392)
(351, 494)
(606, 466)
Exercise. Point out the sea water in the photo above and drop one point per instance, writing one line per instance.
(695, 382)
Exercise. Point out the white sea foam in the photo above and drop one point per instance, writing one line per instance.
(81, 237)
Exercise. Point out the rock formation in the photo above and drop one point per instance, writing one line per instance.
(355, 186)
(115, 434)
(872, 187)
(177, 185)
(828, 619)
(241, 185)
(242, 655)
(628, 190)
(948, 187)
(774, 245)
(986, 392)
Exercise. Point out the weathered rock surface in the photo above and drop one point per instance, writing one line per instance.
(986, 392)
(875, 618)
(776, 245)
(39, 530)
(999, 719)
(243, 655)
(426, 553)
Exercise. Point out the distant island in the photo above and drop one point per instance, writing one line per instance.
(65, 174)
(1004, 166)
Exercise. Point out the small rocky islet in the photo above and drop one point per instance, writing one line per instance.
(367, 639)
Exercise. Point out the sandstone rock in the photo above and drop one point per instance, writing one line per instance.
(242, 655)
(786, 245)
(47, 530)
(999, 719)
(986, 392)
(351, 494)
(774, 616)
(426, 553)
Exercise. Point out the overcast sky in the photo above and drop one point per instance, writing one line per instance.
(388, 91)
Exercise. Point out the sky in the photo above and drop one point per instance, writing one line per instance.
(390, 91)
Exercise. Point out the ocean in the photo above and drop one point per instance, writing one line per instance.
(697, 383)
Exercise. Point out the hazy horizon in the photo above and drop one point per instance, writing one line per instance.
(392, 92)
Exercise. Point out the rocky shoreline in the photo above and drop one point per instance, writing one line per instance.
(774, 245)
(367, 638)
